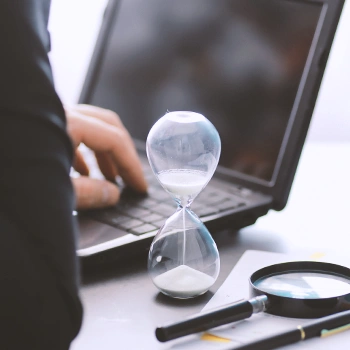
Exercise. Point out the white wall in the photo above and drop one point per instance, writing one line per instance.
(74, 26)
(331, 119)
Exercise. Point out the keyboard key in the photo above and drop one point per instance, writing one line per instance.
(138, 213)
(229, 204)
(205, 211)
(154, 218)
(148, 203)
(109, 215)
(158, 193)
(159, 223)
(123, 206)
(164, 209)
(118, 219)
(218, 199)
(127, 225)
(143, 229)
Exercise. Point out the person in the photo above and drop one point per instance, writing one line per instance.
(39, 277)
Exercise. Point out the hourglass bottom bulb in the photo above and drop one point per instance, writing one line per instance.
(183, 282)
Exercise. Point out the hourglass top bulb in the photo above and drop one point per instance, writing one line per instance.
(183, 149)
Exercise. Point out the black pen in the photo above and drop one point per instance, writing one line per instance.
(322, 327)
(212, 318)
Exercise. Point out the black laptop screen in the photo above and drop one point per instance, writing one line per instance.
(238, 62)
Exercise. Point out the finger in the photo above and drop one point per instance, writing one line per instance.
(102, 137)
(79, 163)
(106, 165)
(104, 160)
(106, 115)
(93, 193)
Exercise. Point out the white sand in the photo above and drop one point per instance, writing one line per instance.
(183, 182)
(183, 282)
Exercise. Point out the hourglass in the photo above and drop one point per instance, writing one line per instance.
(183, 149)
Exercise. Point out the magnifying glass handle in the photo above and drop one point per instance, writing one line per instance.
(213, 318)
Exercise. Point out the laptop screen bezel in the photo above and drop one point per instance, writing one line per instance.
(293, 141)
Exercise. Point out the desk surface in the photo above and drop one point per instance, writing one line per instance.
(122, 306)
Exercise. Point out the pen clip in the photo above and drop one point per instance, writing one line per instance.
(327, 333)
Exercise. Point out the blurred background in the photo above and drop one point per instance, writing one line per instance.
(74, 26)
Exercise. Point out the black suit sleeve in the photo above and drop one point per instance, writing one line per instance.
(39, 302)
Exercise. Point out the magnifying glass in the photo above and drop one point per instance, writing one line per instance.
(299, 289)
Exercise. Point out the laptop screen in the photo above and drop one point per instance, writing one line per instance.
(238, 62)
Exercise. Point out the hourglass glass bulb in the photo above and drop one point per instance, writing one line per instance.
(183, 259)
(183, 149)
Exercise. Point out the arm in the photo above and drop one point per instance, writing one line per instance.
(38, 271)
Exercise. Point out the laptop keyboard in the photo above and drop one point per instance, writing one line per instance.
(140, 214)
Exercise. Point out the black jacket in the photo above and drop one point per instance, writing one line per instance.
(39, 303)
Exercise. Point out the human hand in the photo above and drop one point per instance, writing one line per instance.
(102, 131)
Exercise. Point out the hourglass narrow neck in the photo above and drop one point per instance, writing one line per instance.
(183, 202)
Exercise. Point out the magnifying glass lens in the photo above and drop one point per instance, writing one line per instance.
(304, 285)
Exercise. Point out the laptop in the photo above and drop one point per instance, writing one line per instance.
(253, 68)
